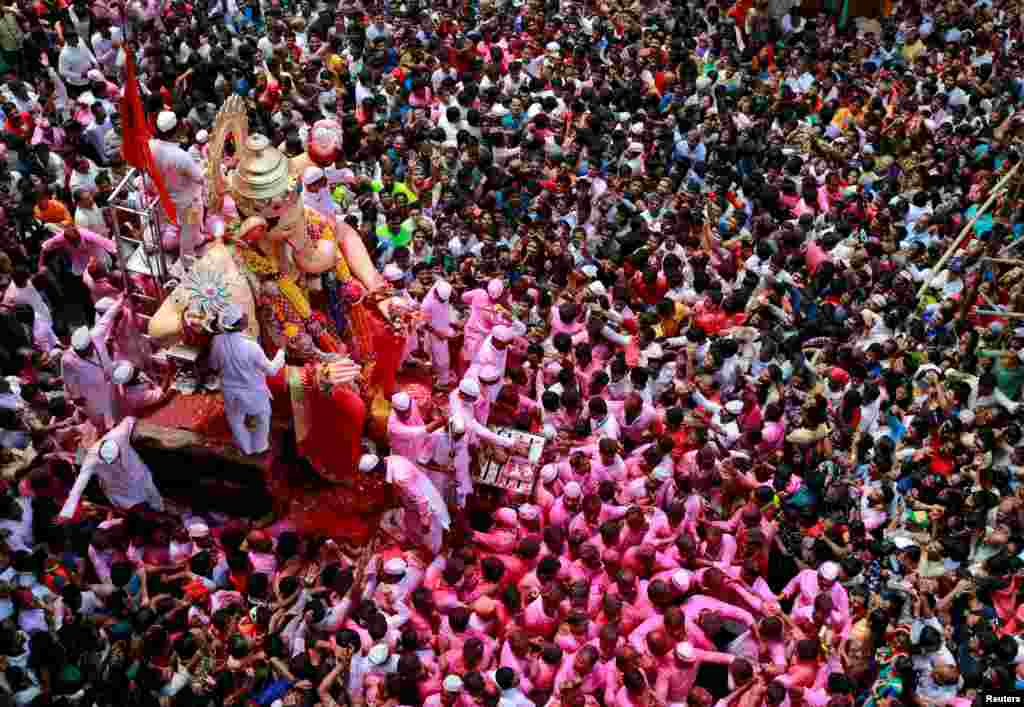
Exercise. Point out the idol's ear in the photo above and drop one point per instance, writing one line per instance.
(232, 121)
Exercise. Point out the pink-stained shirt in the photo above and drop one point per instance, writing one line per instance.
(91, 245)
(724, 554)
(675, 680)
(537, 623)
(407, 438)
(482, 318)
(521, 666)
(542, 674)
(591, 684)
(137, 397)
(561, 516)
(634, 430)
(698, 604)
(804, 587)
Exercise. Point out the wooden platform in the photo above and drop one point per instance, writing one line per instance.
(189, 448)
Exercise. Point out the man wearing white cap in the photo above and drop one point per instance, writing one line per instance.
(468, 402)
(86, 370)
(136, 392)
(123, 476)
(316, 195)
(450, 695)
(378, 661)
(183, 177)
(407, 433)
(445, 456)
(485, 312)
(402, 300)
(244, 369)
(438, 329)
(676, 679)
(724, 421)
(809, 583)
(424, 512)
(494, 350)
(397, 576)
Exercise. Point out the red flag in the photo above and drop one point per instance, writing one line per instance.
(135, 135)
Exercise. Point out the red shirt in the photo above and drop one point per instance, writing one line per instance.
(25, 128)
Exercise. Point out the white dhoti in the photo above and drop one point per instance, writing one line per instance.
(249, 419)
(190, 234)
(440, 357)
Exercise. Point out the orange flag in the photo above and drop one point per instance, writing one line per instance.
(135, 135)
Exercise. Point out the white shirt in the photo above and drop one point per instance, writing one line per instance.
(74, 63)
(181, 174)
(243, 365)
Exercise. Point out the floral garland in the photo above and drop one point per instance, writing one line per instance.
(263, 265)
(291, 290)
(259, 263)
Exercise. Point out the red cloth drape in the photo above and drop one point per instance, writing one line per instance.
(135, 136)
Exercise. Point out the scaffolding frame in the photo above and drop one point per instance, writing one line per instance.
(145, 255)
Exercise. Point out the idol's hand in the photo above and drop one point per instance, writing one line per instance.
(340, 372)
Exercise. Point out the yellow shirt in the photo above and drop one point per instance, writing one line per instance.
(912, 51)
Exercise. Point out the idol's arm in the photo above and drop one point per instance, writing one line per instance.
(359, 262)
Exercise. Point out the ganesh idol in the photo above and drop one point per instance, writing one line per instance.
(308, 286)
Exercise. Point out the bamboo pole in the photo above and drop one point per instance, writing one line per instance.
(966, 230)
(1016, 262)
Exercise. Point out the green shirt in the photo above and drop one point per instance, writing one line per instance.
(397, 240)
(1008, 380)
(396, 188)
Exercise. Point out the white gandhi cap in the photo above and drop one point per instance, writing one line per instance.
(368, 462)
(573, 490)
(443, 292)
(396, 565)
(123, 372)
(529, 512)
(469, 386)
(684, 649)
(401, 401)
(452, 684)
(166, 121)
(81, 339)
(489, 375)
(379, 654)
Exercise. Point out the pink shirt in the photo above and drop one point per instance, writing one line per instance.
(696, 605)
(537, 623)
(805, 587)
(91, 245)
(675, 679)
(590, 684)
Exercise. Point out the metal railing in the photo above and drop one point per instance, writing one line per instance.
(143, 255)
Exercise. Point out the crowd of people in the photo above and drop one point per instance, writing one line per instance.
(749, 270)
